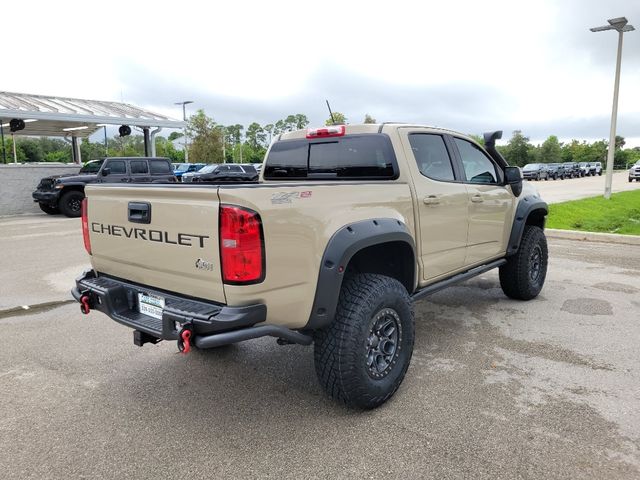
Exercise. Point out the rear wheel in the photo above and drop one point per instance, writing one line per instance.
(71, 202)
(523, 276)
(48, 209)
(362, 356)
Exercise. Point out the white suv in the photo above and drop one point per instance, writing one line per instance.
(634, 172)
(598, 169)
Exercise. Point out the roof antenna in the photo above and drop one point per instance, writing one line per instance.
(333, 120)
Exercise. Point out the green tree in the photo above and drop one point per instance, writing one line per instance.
(31, 148)
(269, 129)
(338, 119)
(174, 135)
(205, 139)
(166, 148)
(551, 150)
(477, 138)
(369, 119)
(234, 133)
(301, 121)
(20, 155)
(91, 150)
(256, 136)
(517, 149)
(129, 146)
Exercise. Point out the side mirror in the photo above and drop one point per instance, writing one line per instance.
(513, 177)
(106, 171)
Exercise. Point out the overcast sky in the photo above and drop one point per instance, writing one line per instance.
(467, 65)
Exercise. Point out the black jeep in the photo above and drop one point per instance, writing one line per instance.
(571, 169)
(64, 193)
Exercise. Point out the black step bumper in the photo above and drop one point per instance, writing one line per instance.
(119, 300)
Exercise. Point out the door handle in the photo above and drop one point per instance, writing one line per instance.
(431, 200)
(477, 198)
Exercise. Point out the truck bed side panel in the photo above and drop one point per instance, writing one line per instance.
(298, 222)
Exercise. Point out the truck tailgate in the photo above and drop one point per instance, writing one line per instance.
(177, 250)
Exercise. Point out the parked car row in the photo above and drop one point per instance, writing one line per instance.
(555, 171)
(64, 193)
(225, 172)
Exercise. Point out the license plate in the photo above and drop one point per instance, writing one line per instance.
(151, 305)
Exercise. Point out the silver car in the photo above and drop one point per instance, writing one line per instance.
(634, 172)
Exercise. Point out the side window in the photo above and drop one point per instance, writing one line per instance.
(431, 156)
(478, 168)
(139, 166)
(160, 166)
(223, 169)
(117, 167)
(235, 169)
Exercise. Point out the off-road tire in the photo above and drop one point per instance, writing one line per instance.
(48, 209)
(518, 277)
(70, 202)
(343, 350)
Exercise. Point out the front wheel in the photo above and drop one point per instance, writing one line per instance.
(48, 209)
(522, 277)
(362, 357)
(71, 202)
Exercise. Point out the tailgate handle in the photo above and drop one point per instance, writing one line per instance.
(139, 212)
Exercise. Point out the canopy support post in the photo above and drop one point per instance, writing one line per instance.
(147, 141)
(154, 132)
(4, 151)
(76, 154)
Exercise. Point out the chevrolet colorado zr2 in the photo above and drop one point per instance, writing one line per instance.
(346, 228)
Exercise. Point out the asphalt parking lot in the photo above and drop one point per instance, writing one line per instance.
(497, 388)
(554, 191)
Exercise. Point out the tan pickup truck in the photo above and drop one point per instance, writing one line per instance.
(347, 226)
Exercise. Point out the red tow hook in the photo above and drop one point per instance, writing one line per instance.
(84, 304)
(184, 341)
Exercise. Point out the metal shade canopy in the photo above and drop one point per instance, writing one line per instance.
(73, 117)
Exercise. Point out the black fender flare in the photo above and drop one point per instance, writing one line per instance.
(74, 186)
(342, 246)
(526, 206)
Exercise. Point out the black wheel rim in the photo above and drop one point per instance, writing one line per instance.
(535, 264)
(74, 204)
(383, 343)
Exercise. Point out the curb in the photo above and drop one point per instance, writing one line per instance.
(593, 236)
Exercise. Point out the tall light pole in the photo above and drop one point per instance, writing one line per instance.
(621, 25)
(184, 117)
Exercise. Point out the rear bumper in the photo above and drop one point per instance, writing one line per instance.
(118, 299)
(46, 197)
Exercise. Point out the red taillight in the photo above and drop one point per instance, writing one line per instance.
(241, 245)
(332, 131)
(85, 226)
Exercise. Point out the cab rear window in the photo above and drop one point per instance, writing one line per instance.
(367, 156)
